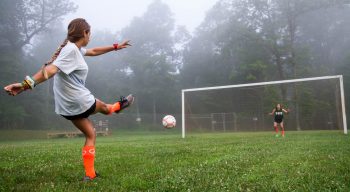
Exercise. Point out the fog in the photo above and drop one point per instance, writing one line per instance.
(114, 15)
(178, 44)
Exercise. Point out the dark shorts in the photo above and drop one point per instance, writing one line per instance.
(278, 121)
(86, 114)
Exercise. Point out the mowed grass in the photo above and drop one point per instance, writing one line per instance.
(302, 161)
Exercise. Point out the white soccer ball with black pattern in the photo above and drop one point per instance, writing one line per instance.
(169, 121)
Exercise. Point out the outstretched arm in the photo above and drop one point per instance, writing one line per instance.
(273, 111)
(102, 50)
(30, 82)
(286, 110)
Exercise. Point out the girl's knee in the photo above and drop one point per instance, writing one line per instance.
(102, 107)
(91, 136)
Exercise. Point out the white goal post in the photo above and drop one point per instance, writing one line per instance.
(341, 84)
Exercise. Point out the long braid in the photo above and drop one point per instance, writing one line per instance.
(76, 30)
(53, 58)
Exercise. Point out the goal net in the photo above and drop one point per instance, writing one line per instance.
(315, 104)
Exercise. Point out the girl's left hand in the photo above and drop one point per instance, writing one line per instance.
(124, 44)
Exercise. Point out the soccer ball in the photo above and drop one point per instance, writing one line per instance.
(169, 121)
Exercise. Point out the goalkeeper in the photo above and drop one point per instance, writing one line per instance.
(278, 113)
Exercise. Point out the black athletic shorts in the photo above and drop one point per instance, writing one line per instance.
(278, 120)
(86, 114)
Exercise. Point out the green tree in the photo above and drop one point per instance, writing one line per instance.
(150, 61)
(20, 22)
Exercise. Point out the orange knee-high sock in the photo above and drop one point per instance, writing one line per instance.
(276, 129)
(115, 107)
(88, 160)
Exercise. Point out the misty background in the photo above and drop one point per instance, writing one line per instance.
(176, 45)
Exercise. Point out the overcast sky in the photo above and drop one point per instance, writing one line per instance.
(113, 15)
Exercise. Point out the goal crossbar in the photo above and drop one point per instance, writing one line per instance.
(340, 77)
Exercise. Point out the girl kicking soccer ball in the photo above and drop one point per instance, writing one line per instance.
(278, 112)
(73, 100)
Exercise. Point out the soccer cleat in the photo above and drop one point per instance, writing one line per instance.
(87, 178)
(125, 102)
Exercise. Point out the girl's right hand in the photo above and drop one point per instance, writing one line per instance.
(14, 89)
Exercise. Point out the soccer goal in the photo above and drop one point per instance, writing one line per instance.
(315, 103)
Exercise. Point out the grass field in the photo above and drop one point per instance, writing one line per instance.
(302, 161)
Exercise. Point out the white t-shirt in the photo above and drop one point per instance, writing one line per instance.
(71, 95)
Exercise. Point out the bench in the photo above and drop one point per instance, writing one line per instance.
(74, 134)
(101, 129)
